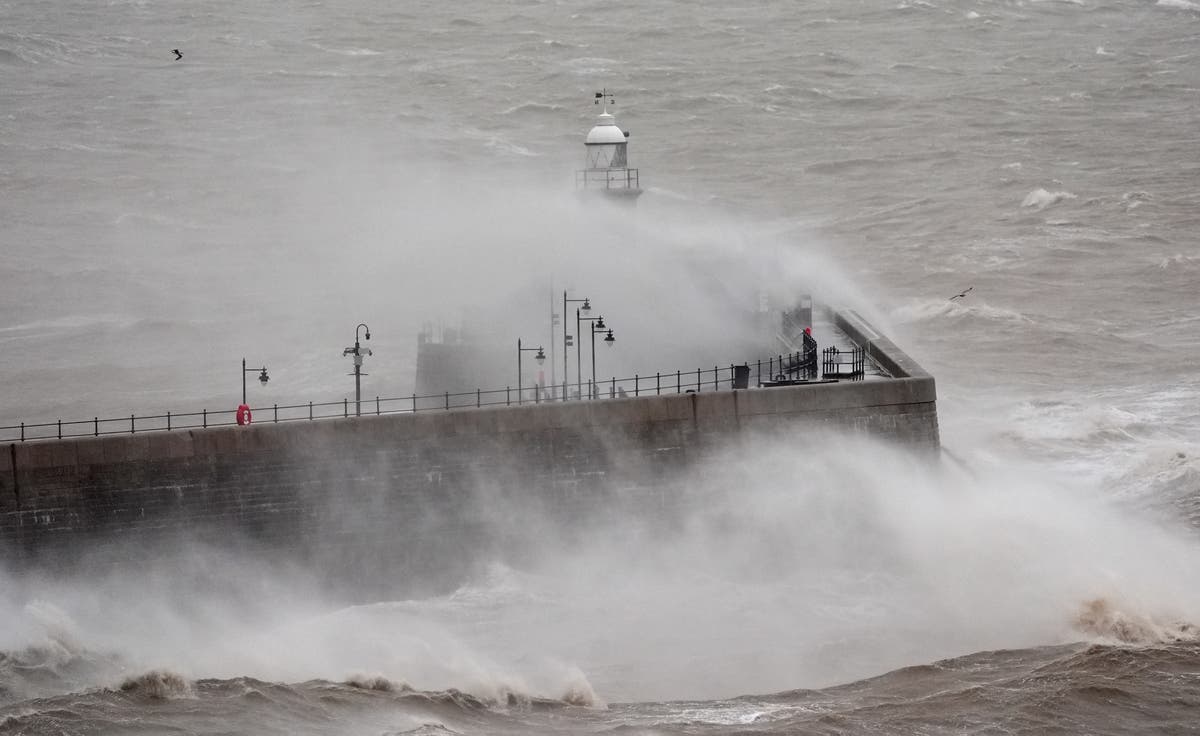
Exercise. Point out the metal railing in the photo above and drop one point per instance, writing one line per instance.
(837, 363)
(606, 179)
(716, 378)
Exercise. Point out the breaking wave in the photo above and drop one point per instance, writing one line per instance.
(930, 310)
(1103, 619)
(1040, 199)
(1181, 4)
(158, 685)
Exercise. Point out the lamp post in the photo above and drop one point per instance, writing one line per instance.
(608, 340)
(597, 324)
(540, 358)
(358, 352)
(262, 377)
(586, 309)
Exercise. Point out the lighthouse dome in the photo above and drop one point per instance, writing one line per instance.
(606, 131)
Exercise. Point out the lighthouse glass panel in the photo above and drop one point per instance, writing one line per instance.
(606, 155)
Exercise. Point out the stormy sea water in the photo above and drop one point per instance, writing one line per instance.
(306, 166)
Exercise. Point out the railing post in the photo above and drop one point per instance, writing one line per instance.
(716, 385)
(678, 377)
(131, 425)
(414, 399)
(60, 429)
(204, 420)
(22, 433)
(376, 406)
(612, 393)
(477, 404)
(96, 425)
(697, 380)
(508, 395)
(447, 401)
(310, 411)
(635, 384)
(345, 408)
(276, 408)
(657, 384)
(168, 421)
(731, 375)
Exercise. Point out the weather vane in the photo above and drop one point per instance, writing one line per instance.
(607, 96)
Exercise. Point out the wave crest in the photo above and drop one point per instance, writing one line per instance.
(159, 685)
(1099, 617)
(926, 310)
(377, 683)
(1040, 199)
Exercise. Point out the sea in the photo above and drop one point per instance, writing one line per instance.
(1010, 189)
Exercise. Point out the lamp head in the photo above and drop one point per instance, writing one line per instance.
(600, 323)
(609, 340)
(540, 357)
(368, 334)
(263, 377)
(586, 309)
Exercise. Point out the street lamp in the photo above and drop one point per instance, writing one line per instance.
(262, 377)
(586, 309)
(540, 358)
(599, 322)
(358, 353)
(597, 329)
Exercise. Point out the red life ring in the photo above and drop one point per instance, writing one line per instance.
(243, 414)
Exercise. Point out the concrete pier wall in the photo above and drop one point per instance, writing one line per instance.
(418, 492)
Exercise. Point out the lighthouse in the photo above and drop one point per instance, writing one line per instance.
(607, 169)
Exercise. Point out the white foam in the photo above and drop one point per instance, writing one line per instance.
(1041, 198)
(928, 310)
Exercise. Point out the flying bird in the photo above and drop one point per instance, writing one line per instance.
(963, 294)
(178, 54)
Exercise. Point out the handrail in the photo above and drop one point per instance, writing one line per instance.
(700, 379)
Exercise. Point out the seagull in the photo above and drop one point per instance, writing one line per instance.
(178, 54)
(963, 294)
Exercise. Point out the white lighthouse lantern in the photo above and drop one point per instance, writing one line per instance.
(607, 159)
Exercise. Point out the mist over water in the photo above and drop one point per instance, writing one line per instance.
(309, 167)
